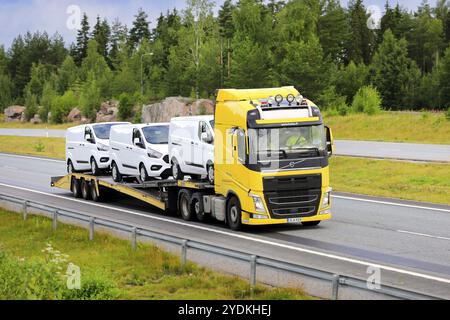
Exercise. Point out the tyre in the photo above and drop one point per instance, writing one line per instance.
(210, 170)
(70, 168)
(143, 173)
(94, 194)
(310, 223)
(184, 205)
(197, 207)
(75, 187)
(176, 171)
(94, 167)
(86, 189)
(117, 177)
(234, 214)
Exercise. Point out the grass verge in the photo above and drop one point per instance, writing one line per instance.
(392, 126)
(43, 147)
(109, 268)
(393, 179)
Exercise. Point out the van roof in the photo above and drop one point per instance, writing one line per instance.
(92, 124)
(194, 118)
(253, 94)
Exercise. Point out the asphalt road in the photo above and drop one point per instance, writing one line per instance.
(382, 150)
(409, 241)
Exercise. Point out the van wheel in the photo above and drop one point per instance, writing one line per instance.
(94, 194)
(234, 214)
(184, 201)
(85, 190)
(310, 223)
(143, 173)
(210, 170)
(176, 171)
(94, 167)
(70, 168)
(76, 187)
(117, 177)
(197, 207)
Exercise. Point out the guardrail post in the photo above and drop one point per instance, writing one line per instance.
(184, 253)
(55, 220)
(335, 287)
(25, 210)
(252, 272)
(91, 228)
(134, 239)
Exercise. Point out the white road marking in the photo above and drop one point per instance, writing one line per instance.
(391, 203)
(245, 237)
(423, 235)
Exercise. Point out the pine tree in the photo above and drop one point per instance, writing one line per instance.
(101, 34)
(140, 29)
(361, 44)
(226, 28)
(82, 41)
(444, 83)
(117, 40)
(67, 75)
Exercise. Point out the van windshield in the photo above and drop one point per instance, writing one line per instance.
(156, 134)
(102, 130)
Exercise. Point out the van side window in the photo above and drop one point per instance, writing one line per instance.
(203, 128)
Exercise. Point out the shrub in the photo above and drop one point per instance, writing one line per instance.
(61, 106)
(93, 288)
(447, 114)
(367, 100)
(125, 106)
(32, 106)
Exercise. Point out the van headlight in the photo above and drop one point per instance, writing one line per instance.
(259, 204)
(326, 199)
(102, 147)
(154, 154)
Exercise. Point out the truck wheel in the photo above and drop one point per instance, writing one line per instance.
(310, 223)
(176, 171)
(76, 188)
(234, 214)
(210, 170)
(94, 194)
(85, 190)
(117, 177)
(143, 173)
(70, 168)
(197, 207)
(94, 167)
(184, 201)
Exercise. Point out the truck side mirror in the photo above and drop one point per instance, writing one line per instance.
(330, 141)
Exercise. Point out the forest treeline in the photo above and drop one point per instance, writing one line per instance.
(324, 49)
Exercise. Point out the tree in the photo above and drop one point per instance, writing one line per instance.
(101, 34)
(31, 104)
(394, 72)
(67, 75)
(118, 39)
(447, 28)
(82, 41)
(39, 75)
(367, 100)
(94, 67)
(362, 41)
(226, 30)
(5, 91)
(90, 98)
(125, 107)
(444, 77)
(48, 95)
(350, 79)
(334, 30)
(140, 29)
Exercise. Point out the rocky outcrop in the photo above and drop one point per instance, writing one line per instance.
(108, 112)
(36, 119)
(176, 107)
(15, 114)
(74, 115)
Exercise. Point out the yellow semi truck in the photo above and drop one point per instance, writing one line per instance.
(271, 152)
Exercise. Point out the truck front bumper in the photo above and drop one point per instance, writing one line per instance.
(248, 220)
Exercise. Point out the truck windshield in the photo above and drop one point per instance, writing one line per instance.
(156, 134)
(102, 130)
(288, 142)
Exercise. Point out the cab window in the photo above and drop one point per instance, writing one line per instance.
(241, 147)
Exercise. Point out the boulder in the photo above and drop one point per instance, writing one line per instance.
(108, 112)
(74, 115)
(176, 107)
(36, 119)
(14, 113)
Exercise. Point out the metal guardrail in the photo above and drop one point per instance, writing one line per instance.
(336, 280)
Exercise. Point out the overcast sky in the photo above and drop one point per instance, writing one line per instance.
(20, 16)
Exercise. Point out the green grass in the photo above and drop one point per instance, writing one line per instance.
(43, 147)
(27, 125)
(392, 126)
(393, 179)
(148, 273)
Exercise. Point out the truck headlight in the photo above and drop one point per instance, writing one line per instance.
(326, 199)
(154, 154)
(102, 147)
(259, 204)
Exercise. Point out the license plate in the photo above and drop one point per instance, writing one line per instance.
(294, 220)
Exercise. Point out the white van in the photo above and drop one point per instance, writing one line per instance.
(191, 147)
(87, 147)
(140, 150)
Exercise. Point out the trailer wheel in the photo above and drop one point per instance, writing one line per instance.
(234, 214)
(85, 189)
(176, 170)
(94, 194)
(116, 175)
(310, 223)
(184, 204)
(75, 187)
(197, 207)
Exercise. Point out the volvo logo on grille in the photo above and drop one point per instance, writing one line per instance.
(293, 164)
